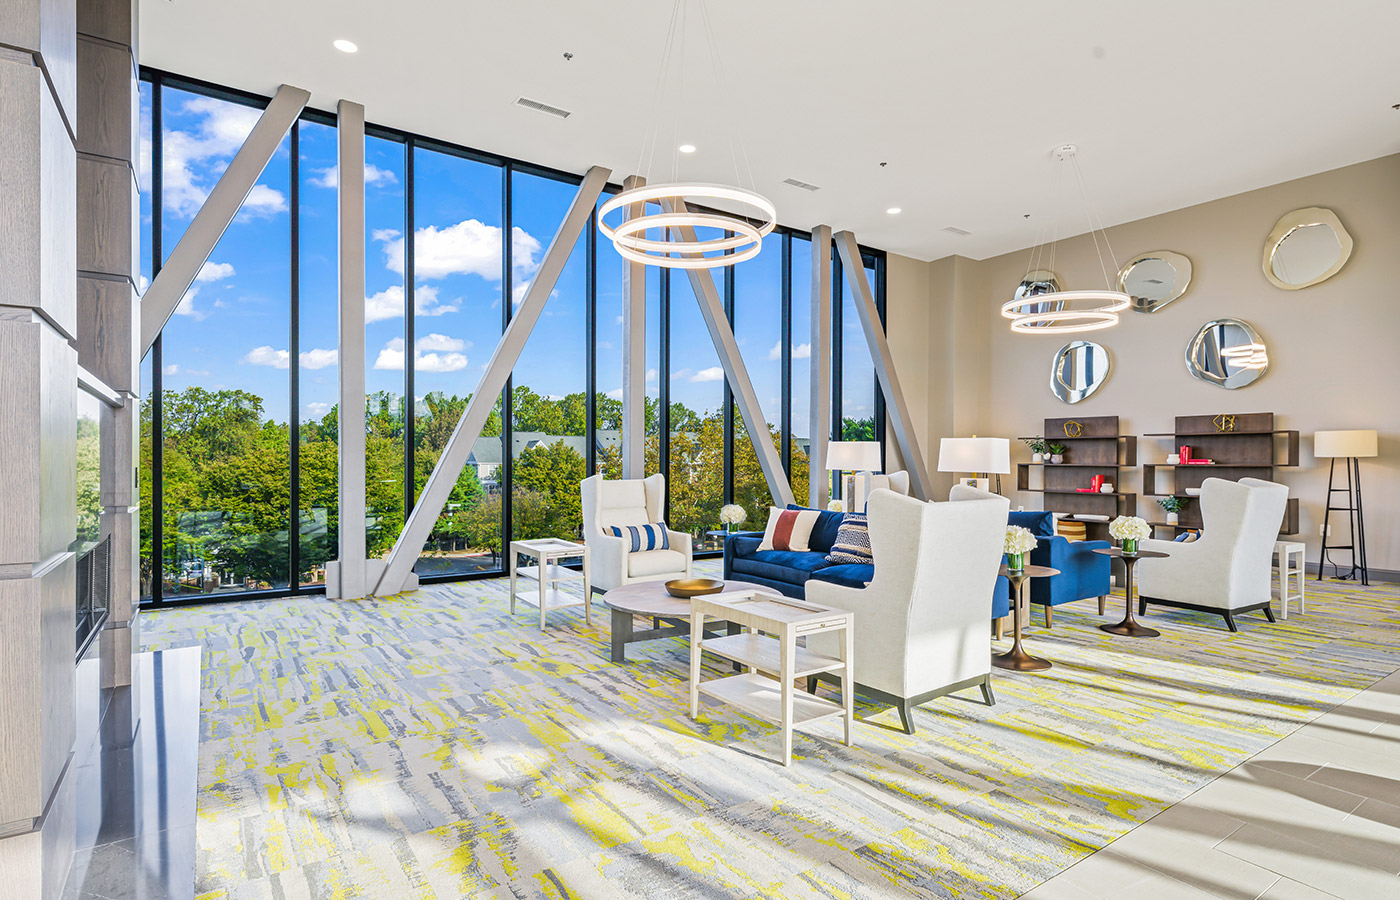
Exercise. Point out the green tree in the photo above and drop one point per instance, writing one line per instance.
(552, 471)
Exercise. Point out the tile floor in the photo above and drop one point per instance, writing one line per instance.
(1313, 817)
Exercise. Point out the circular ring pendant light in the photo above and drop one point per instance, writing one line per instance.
(1067, 312)
(679, 236)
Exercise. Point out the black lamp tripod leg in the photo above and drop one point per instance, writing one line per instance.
(1358, 536)
(1326, 522)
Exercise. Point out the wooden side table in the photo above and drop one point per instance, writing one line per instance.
(770, 649)
(550, 574)
(1130, 626)
(1017, 658)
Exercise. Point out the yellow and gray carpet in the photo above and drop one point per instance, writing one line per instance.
(432, 746)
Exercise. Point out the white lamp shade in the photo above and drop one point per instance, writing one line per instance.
(990, 455)
(1360, 443)
(854, 456)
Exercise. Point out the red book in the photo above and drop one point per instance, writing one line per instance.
(1085, 490)
(1185, 453)
(1200, 462)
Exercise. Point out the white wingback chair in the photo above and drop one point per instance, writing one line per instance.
(636, 501)
(921, 623)
(891, 481)
(1227, 570)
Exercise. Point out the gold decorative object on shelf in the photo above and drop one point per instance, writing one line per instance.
(1073, 429)
(1224, 423)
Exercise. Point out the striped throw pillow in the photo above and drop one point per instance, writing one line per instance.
(644, 537)
(789, 529)
(852, 541)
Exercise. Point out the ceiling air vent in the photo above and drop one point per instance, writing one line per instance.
(960, 232)
(801, 184)
(545, 108)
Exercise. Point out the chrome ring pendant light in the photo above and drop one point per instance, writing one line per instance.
(680, 237)
(1067, 312)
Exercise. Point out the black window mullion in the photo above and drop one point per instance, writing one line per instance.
(410, 324)
(663, 378)
(837, 315)
(785, 342)
(879, 288)
(729, 430)
(157, 400)
(507, 406)
(590, 400)
(294, 364)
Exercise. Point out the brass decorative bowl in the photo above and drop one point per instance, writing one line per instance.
(685, 588)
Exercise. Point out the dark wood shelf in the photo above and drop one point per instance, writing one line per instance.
(1097, 448)
(1075, 493)
(1072, 465)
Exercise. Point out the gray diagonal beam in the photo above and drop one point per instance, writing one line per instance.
(819, 423)
(895, 407)
(350, 167)
(192, 252)
(459, 446)
(733, 363)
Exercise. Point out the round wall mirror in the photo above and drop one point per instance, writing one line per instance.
(1227, 353)
(1079, 369)
(1039, 281)
(1152, 280)
(1306, 247)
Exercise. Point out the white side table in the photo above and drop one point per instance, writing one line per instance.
(549, 575)
(1290, 565)
(774, 624)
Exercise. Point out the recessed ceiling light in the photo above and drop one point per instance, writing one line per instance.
(686, 148)
(894, 210)
(345, 46)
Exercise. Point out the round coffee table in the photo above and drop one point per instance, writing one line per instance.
(671, 615)
(1017, 658)
(1129, 626)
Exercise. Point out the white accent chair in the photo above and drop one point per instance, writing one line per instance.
(1229, 568)
(891, 481)
(636, 501)
(921, 623)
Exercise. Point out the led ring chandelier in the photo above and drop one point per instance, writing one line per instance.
(629, 236)
(1030, 316)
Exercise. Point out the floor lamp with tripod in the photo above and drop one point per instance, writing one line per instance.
(1350, 447)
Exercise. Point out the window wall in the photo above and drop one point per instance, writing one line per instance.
(240, 392)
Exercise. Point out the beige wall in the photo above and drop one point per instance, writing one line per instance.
(1334, 361)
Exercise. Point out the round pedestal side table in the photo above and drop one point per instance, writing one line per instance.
(1130, 626)
(1017, 659)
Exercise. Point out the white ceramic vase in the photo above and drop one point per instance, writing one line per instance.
(1173, 518)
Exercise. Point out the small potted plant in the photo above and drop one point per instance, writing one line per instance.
(1019, 542)
(732, 514)
(1057, 453)
(1173, 506)
(1038, 448)
(1129, 530)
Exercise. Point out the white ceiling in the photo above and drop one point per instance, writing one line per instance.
(1171, 103)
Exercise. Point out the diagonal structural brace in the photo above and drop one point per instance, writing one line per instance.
(192, 252)
(712, 309)
(454, 456)
(896, 408)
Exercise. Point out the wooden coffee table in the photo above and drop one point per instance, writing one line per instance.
(670, 615)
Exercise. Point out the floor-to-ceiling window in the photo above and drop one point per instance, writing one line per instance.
(240, 392)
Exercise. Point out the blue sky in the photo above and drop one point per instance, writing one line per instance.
(231, 330)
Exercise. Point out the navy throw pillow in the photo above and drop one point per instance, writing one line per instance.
(1039, 523)
(824, 532)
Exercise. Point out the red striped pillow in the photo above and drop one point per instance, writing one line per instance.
(789, 529)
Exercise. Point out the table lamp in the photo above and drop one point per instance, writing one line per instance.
(860, 458)
(983, 457)
(1351, 447)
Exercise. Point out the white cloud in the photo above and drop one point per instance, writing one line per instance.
(619, 320)
(281, 359)
(616, 395)
(266, 356)
(426, 357)
(713, 373)
(186, 306)
(385, 234)
(212, 271)
(197, 373)
(373, 176)
(801, 351)
(388, 303)
(651, 374)
(468, 248)
(172, 369)
(605, 345)
(316, 410)
(190, 159)
(319, 359)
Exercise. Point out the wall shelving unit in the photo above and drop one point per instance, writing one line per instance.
(1093, 446)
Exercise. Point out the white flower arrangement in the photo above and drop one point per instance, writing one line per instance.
(1019, 540)
(732, 514)
(1129, 528)
(836, 506)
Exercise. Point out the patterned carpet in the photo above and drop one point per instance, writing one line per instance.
(430, 746)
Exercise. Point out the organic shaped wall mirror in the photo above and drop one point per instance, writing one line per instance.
(1038, 281)
(1152, 280)
(1227, 353)
(1079, 369)
(1306, 247)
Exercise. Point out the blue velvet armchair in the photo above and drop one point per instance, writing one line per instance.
(1083, 573)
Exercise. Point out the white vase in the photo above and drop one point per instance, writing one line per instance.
(1057, 458)
(1172, 518)
(1037, 457)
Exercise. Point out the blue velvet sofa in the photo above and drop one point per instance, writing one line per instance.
(1083, 573)
(789, 571)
